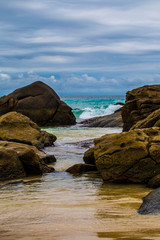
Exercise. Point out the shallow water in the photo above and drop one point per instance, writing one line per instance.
(63, 207)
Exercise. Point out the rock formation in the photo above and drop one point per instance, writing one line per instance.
(40, 103)
(16, 127)
(132, 156)
(140, 103)
(112, 120)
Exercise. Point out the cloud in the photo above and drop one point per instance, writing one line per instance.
(83, 39)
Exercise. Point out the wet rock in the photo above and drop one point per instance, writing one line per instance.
(140, 103)
(19, 128)
(26, 161)
(151, 203)
(40, 103)
(81, 168)
(10, 165)
(89, 156)
(132, 156)
(112, 120)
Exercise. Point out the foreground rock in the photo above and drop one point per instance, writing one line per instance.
(21, 160)
(140, 103)
(40, 103)
(81, 168)
(112, 120)
(151, 203)
(132, 156)
(19, 128)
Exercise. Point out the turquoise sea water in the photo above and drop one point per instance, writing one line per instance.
(88, 107)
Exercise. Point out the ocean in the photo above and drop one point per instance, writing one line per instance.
(95, 106)
(62, 206)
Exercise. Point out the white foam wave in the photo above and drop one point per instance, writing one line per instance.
(95, 112)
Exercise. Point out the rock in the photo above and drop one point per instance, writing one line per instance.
(81, 168)
(154, 182)
(132, 156)
(19, 128)
(89, 156)
(152, 120)
(151, 203)
(40, 103)
(10, 165)
(112, 120)
(119, 103)
(20, 160)
(140, 103)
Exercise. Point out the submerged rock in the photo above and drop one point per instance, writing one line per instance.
(112, 120)
(40, 103)
(81, 168)
(132, 156)
(19, 160)
(19, 128)
(140, 103)
(151, 203)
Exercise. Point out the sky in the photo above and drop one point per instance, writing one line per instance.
(86, 47)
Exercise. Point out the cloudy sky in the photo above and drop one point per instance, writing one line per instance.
(80, 47)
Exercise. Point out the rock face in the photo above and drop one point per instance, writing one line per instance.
(132, 156)
(19, 128)
(112, 120)
(151, 203)
(40, 103)
(152, 120)
(140, 103)
(20, 160)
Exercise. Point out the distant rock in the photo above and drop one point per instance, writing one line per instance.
(132, 156)
(40, 103)
(81, 168)
(112, 120)
(16, 127)
(140, 103)
(151, 203)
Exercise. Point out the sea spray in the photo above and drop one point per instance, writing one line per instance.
(88, 107)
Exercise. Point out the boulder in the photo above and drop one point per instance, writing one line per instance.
(89, 156)
(81, 168)
(152, 120)
(151, 203)
(40, 103)
(112, 120)
(19, 160)
(10, 165)
(132, 156)
(140, 103)
(19, 128)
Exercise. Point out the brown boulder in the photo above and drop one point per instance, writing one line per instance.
(81, 168)
(132, 156)
(19, 128)
(40, 103)
(140, 103)
(19, 160)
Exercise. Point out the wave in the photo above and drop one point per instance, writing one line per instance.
(89, 112)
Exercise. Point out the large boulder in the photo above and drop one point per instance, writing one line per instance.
(111, 120)
(19, 128)
(132, 156)
(20, 160)
(40, 103)
(140, 103)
